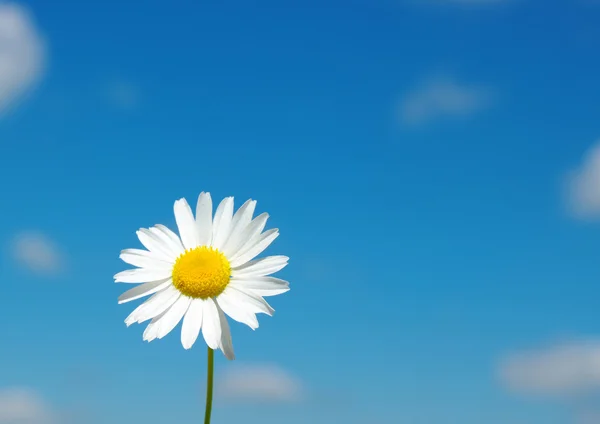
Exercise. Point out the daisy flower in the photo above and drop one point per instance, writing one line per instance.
(206, 272)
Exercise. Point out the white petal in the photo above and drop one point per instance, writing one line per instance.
(236, 309)
(154, 306)
(145, 289)
(185, 223)
(192, 322)
(141, 275)
(155, 245)
(225, 344)
(240, 221)
(260, 267)
(169, 238)
(249, 234)
(143, 259)
(262, 286)
(211, 326)
(152, 311)
(251, 301)
(132, 316)
(252, 251)
(152, 329)
(222, 222)
(173, 316)
(204, 219)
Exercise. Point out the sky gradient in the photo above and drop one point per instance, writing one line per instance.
(433, 168)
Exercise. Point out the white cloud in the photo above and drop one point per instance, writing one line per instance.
(21, 54)
(260, 383)
(38, 253)
(23, 406)
(561, 370)
(443, 97)
(583, 186)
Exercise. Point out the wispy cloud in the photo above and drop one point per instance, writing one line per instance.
(38, 253)
(562, 370)
(443, 97)
(263, 383)
(583, 186)
(22, 54)
(123, 95)
(23, 406)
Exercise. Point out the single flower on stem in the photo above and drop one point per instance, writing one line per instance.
(206, 272)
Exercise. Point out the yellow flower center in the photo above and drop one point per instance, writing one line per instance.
(202, 272)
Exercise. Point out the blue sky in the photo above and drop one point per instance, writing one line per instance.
(432, 167)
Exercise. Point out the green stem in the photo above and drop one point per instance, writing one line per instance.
(209, 385)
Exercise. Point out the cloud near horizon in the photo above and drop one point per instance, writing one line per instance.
(262, 383)
(562, 370)
(23, 406)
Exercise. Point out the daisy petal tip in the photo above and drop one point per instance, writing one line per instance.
(228, 353)
(181, 202)
(124, 252)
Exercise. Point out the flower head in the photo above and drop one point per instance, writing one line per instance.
(205, 273)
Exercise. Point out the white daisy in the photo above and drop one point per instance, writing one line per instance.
(205, 273)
